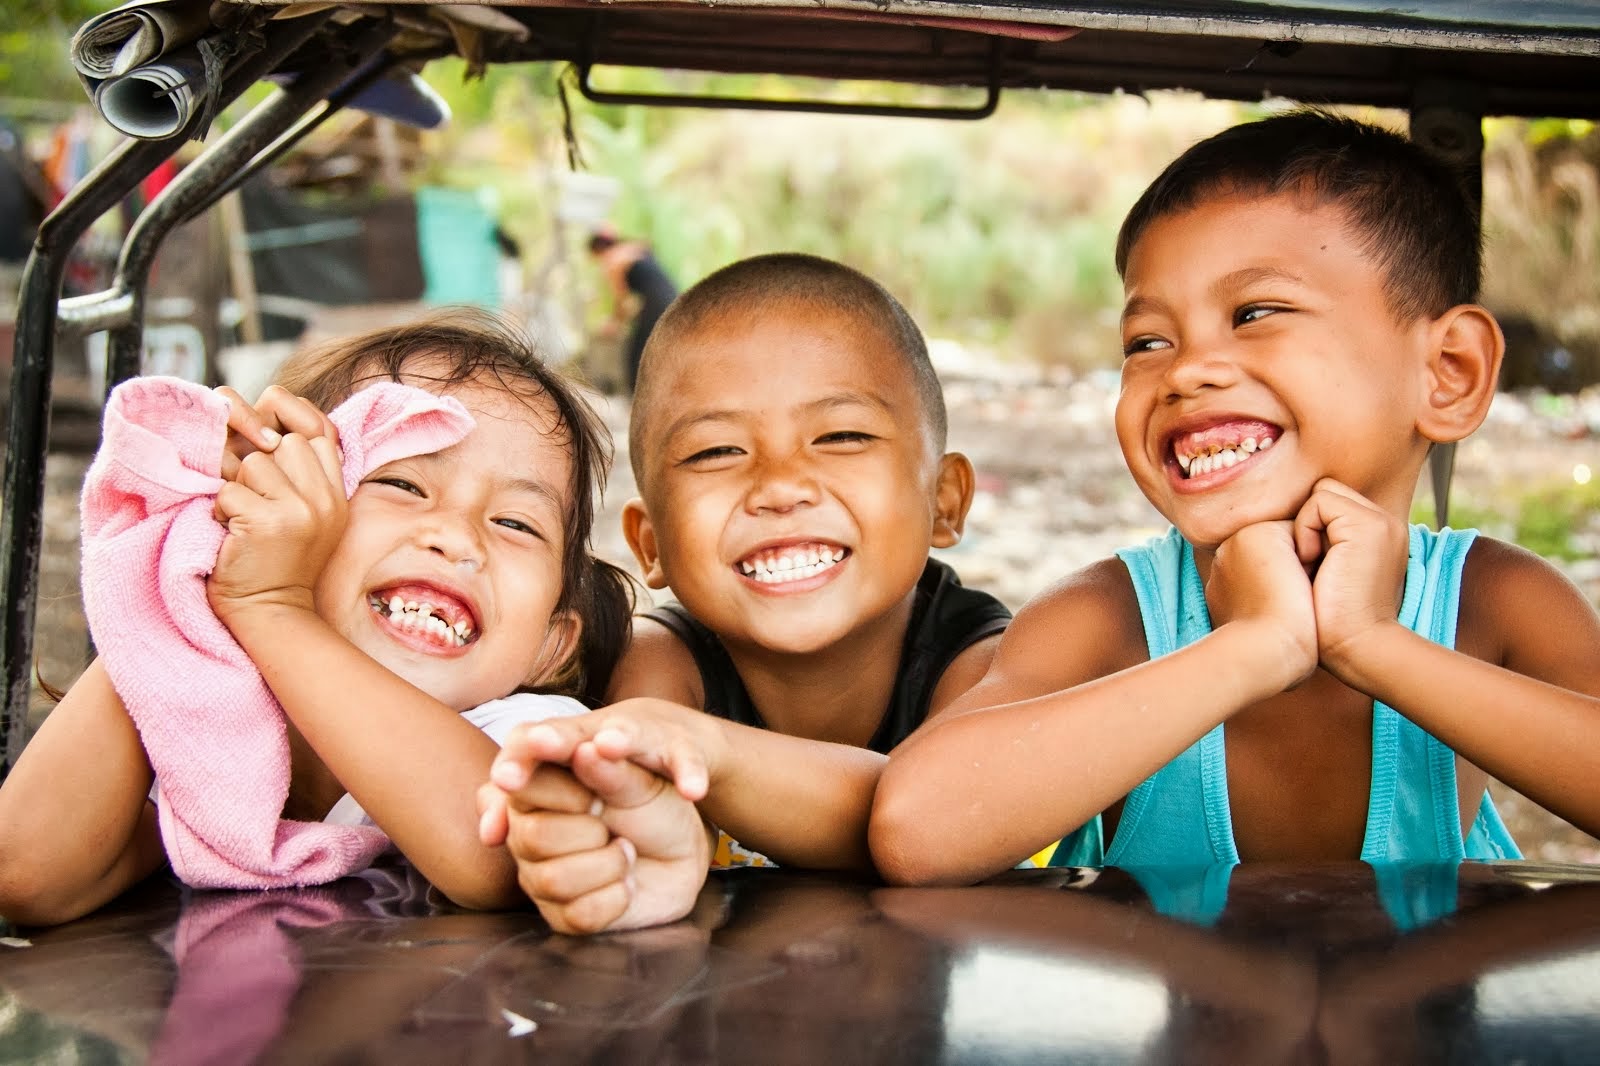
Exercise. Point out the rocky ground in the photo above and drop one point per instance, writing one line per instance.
(1053, 496)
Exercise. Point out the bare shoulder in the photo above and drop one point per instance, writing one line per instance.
(964, 671)
(1519, 610)
(656, 663)
(1082, 627)
(1096, 608)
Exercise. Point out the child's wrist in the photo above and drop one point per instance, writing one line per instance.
(1352, 660)
(1272, 658)
(263, 605)
(712, 738)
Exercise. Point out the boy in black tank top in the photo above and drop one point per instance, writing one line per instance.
(788, 440)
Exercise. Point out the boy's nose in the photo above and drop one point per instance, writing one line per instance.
(781, 487)
(1194, 367)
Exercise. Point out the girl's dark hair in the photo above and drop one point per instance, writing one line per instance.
(463, 344)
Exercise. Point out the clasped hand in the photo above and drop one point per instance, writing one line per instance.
(282, 502)
(598, 811)
(1322, 583)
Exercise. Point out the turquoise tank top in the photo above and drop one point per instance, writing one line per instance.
(1179, 816)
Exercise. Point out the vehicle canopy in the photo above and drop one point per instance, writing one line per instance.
(1519, 57)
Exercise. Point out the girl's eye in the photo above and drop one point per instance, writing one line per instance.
(519, 525)
(399, 483)
(724, 451)
(1253, 313)
(1143, 344)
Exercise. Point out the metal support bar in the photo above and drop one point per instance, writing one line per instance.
(825, 107)
(78, 316)
(201, 183)
(21, 531)
(1447, 120)
(336, 103)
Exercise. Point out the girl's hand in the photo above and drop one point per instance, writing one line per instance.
(678, 743)
(285, 512)
(1362, 571)
(1257, 582)
(262, 426)
(599, 844)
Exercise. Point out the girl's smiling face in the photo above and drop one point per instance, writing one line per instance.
(450, 567)
(1262, 354)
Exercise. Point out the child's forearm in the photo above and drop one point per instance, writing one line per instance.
(1540, 739)
(411, 762)
(76, 828)
(799, 802)
(979, 790)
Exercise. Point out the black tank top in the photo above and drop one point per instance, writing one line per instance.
(946, 619)
(646, 278)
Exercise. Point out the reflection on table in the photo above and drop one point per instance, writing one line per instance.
(1253, 964)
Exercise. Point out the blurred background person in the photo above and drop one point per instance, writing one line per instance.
(637, 280)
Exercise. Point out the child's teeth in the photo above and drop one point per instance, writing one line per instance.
(1220, 456)
(796, 564)
(414, 617)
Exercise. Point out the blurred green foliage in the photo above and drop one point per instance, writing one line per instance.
(1556, 519)
(997, 233)
(33, 47)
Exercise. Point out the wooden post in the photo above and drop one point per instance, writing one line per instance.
(241, 272)
(1447, 120)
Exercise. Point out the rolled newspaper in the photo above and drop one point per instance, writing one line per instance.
(135, 34)
(140, 67)
(156, 100)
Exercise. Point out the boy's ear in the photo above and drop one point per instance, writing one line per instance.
(640, 534)
(1465, 350)
(952, 498)
(558, 654)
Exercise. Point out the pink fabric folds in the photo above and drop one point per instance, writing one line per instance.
(212, 729)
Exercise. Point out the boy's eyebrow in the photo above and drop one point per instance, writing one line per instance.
(850, 399)
(1224, 285)
(837, 399)
(691, 420)
(1244, 276)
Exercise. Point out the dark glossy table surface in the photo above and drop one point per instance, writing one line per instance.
(1327, 964)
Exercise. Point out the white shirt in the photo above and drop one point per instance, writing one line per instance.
(496, 718)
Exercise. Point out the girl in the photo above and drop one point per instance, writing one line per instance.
(490, 535)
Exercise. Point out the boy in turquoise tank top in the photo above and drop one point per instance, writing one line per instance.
(1292, 673)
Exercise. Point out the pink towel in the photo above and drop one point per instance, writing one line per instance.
(211, 727)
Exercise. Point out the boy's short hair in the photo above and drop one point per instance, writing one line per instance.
(470, 343)
(786, 277)
(1409, 208)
